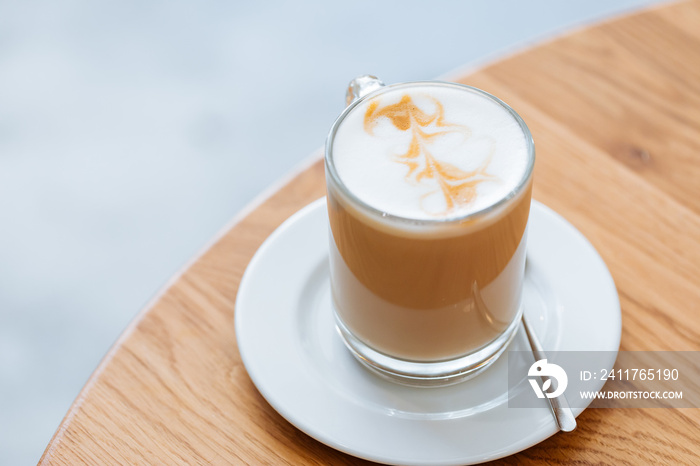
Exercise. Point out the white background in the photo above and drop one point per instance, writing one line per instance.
(131, 132)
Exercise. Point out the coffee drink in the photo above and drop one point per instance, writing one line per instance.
(429, 190)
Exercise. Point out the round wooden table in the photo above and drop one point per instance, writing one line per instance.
(615, 113)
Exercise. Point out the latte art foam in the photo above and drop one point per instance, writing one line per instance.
(430, 152)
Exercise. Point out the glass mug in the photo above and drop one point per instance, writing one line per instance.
(429, 299)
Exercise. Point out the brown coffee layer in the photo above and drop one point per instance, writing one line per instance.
(420, 272)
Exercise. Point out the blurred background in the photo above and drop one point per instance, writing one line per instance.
(132, 132)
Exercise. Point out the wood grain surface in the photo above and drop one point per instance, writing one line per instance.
(615, 113)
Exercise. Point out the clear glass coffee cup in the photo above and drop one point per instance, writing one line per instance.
(428, 191)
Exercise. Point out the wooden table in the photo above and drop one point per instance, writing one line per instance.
(615, 113)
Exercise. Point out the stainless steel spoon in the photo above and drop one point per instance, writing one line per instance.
(560, 406)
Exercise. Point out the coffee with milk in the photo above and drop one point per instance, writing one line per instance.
(429, 190)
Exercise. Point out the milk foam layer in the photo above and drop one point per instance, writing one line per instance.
(430, 152)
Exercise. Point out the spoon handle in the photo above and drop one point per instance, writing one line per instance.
(560, 406)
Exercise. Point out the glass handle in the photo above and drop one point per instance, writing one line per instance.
(361, 86)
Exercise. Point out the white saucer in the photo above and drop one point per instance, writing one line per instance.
(293, 354)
